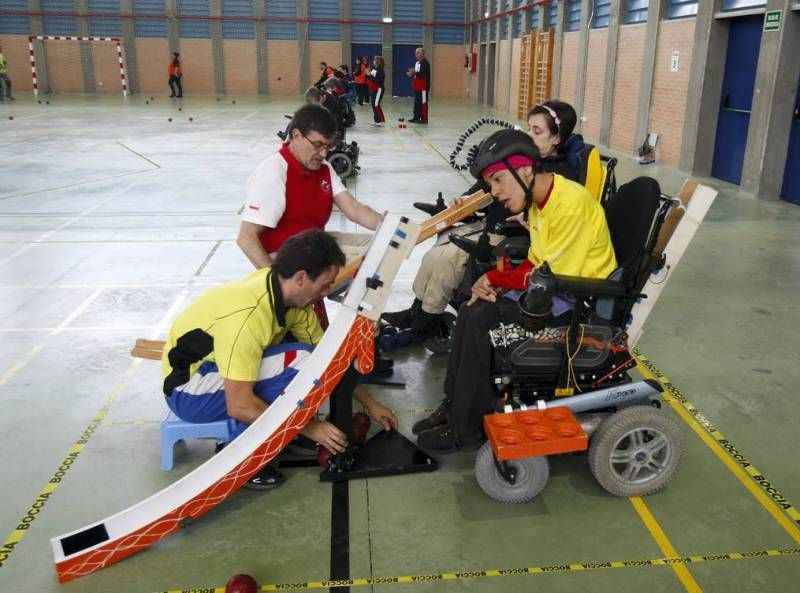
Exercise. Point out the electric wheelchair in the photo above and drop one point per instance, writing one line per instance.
(634, 449)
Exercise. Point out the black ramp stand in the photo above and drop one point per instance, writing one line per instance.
(388, 453)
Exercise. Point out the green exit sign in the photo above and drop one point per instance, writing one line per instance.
(772, 20)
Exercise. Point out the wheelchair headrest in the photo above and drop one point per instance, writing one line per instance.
(630, 214)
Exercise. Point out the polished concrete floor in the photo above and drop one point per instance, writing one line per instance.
(112, 217)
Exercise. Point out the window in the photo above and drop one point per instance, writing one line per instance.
(742, 4)
(636, 11)
(601, 14)
(409, 11)
(554, 14)
(59, 25)
(449, 11)
(368, 10)
(573, 15)
(104, 26)
(282, 29)
(149, 27)
(324, 9)
(677, 9)
(233, 29)
(193, 28)
(15, 25)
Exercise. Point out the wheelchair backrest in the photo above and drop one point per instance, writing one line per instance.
(634, 216)
(594, 176)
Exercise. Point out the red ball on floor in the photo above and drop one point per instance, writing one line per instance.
(324, 457)
(241, 583)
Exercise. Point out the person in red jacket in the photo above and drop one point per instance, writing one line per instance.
(375, 79)
(421, 83)
(175, 74)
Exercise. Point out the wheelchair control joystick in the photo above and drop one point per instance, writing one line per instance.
(537, 302)
(432, 209)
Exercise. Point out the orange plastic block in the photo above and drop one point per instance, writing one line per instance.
(533, 433)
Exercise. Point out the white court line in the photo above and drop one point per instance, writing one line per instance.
(11, 372)
(208, 281)
(28, 246)
(77, 328)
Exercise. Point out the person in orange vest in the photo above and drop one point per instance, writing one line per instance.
(360, 78)
(175, 74)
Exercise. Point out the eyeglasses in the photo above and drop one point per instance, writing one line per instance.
(317, 145)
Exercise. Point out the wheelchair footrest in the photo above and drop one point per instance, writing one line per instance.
(534, 433)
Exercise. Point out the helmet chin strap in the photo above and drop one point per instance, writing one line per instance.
(528, 189)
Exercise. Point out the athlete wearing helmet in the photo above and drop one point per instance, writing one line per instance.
(568, 230)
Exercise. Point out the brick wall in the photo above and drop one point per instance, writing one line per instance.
(152, 57)
(627, 77)
(569, 68)
(197, 65)
(448, 75)
(322, 51)
(241, 68)
(595, 84)
(15, 50)
(106, 68)
(283, 68)
(64, 71)
(668, 103)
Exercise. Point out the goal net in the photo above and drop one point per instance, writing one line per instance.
(71, 64)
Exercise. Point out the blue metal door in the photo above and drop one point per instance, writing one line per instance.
(358, 50)
(791, 177)
(744, 41)
(403, 58)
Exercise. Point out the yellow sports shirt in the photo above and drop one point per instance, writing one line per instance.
(231, 325)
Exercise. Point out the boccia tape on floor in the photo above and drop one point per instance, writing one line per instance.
(754, 480)
(54, 482)
(506, 572)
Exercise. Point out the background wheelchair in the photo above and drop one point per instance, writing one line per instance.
(634, 449)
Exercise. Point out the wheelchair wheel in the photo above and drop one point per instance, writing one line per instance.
(342, 164)
(636, 451)
(530, 476)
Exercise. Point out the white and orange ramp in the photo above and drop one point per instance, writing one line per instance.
(348, 340)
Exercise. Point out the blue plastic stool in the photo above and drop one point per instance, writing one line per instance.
(173, 429)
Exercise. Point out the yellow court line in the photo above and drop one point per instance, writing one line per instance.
(664, 544)
(712, 443)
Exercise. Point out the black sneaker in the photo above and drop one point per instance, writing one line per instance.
(403, 319)
(267, 479)
(400, 319)
(438, 418)
(443, 440)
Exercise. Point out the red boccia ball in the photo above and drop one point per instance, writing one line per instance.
(241, 583)
(323, 457)
(361, 423)
(191, 119)
(10, 117)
